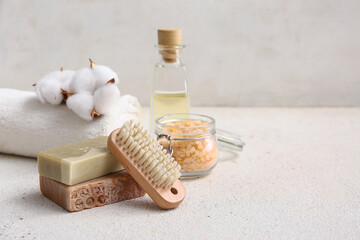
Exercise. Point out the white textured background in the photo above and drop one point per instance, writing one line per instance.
(246, 53)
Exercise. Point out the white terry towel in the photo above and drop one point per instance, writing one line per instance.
(28, 126)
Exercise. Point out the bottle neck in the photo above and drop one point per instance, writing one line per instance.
(170, 54)
(175, 61)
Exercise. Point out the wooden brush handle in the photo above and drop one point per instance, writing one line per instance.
(165, 198)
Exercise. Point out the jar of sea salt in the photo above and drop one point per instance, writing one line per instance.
(192, 141)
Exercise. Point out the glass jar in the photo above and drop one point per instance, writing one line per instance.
(193, 142)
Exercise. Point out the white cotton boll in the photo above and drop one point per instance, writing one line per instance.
(46, 88)
(38, 93)
(81, 104)
(66, 85)
(105, 98)
(103, 74)
(50, 77)
(66, 78)
(50, 91)
(60, 75)
(66, 75)
(82, 81)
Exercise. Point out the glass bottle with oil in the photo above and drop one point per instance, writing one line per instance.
(170, 90)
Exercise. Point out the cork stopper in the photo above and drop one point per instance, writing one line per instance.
(169, 40)
(169, 36)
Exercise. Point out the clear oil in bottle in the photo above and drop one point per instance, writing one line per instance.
(170, 91)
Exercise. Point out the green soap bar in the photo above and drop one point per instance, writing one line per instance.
(78, 162)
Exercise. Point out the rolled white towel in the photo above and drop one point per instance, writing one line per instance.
(27, 126)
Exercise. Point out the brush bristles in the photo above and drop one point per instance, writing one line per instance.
(148, 154)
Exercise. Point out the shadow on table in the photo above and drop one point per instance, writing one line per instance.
(144, 203)
(15, 157)
(35, 200)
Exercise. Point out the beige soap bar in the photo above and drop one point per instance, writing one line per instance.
(78, 162)
(98, 192)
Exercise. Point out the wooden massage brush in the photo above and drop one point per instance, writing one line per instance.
(148, 163)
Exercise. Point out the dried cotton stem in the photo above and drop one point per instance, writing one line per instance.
(92, 64)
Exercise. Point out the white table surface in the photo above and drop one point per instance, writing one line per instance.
(297, 178)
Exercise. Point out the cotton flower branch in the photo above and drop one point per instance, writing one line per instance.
(88, 92)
